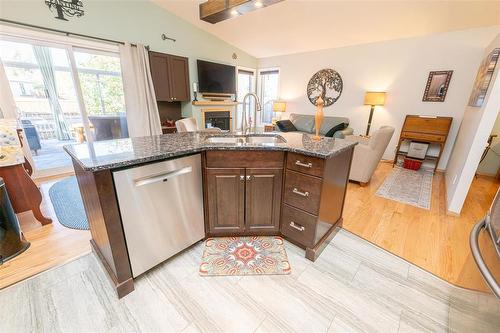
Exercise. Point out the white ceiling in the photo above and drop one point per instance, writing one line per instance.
(294, 26)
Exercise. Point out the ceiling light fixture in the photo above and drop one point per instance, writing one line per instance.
(215, 11)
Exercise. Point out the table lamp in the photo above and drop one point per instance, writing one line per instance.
(278, 108)
(373, 98)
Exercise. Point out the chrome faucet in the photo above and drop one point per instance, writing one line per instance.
(245, 126)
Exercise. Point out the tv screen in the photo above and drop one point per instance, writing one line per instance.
(216, 78)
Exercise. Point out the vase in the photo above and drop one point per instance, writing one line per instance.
(318, 119)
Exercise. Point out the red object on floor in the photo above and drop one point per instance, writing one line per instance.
(412, 164)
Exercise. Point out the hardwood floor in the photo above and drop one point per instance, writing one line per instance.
(430, 239)
(51, 245)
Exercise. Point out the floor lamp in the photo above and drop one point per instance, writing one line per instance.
(373, 98)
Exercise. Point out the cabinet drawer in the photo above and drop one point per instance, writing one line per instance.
(244, 159)
(297, 225)
(302, 191)
(305, 164)
(423, 136)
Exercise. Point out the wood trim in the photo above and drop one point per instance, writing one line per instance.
(97, 190)
(122, 288)
(314, 252)
(214, 103)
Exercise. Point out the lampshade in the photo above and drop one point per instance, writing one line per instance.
(279, 106)
(374, 98)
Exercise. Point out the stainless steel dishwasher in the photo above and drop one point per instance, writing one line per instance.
(161, 206)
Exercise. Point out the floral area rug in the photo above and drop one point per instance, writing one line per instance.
(408, 186)
(255, 255)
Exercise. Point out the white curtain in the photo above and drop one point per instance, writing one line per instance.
(7, 103)
(143, 118)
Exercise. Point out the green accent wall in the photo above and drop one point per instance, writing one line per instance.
(138, 21)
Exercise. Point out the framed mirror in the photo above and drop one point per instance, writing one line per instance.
(437, 86)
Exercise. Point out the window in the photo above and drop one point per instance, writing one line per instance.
(42, 77)
(246, 84)
(269, 92)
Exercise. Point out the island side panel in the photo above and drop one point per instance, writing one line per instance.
(333, 192)
(108, 239)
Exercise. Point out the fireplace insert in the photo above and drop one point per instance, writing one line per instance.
(220, 119)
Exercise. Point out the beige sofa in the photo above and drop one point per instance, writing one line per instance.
(368, 152)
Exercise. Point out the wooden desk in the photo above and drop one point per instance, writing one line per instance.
(427, 130)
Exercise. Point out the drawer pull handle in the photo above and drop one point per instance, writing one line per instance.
(304, 194)
(297, 226)
(302, 164)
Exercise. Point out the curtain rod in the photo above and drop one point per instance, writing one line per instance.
(67, 33)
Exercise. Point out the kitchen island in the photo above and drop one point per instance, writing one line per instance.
(257, 184)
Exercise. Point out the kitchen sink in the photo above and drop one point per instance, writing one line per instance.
(223, 139)
(249, 139)
(265, 139)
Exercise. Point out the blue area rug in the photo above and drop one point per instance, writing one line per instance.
(68, 204)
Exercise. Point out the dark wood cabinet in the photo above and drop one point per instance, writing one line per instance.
(263, 198)
(226, 200)
(170, 76)
(243, 192)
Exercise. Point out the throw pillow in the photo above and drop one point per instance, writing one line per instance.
(285, 126)
(334, 129)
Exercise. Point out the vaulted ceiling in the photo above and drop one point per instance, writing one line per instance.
(294, 26)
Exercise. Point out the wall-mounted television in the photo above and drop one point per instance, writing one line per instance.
(216, 78)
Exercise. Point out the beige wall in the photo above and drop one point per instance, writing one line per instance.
(399, 67)
(474, 131)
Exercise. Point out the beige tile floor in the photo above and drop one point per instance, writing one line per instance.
(353, 286)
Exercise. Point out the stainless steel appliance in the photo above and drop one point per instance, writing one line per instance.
(486, 253)
(161, 206)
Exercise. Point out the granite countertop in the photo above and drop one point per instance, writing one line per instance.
(119, 153)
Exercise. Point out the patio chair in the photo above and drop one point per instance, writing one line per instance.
(31, 135)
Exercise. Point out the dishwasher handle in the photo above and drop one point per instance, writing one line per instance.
(478, 258)
(162, 177)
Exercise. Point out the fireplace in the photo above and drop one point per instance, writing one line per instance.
(220, 118)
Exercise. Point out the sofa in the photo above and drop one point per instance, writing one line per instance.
(305, 123)
(367, 153)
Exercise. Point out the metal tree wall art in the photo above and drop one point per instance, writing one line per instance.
(70, 8)
(326, 84)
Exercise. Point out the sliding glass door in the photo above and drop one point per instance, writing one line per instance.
(102, 88)
(63, 96)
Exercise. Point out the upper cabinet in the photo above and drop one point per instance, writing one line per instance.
(170, 75)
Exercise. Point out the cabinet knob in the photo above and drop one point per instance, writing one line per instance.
(242, 177)
(249, 177)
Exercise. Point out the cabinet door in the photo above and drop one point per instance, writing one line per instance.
(179, 79)
(263, 199)
(160, 73)
(226, 200)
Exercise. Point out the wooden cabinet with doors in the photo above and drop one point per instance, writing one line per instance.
(170, 76)
(243, 192)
